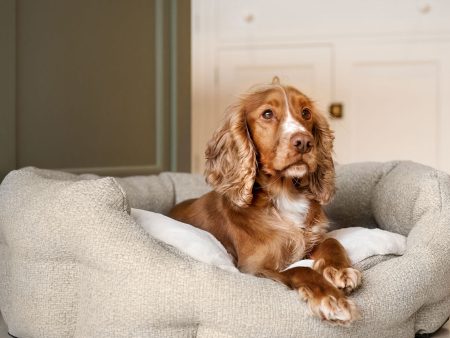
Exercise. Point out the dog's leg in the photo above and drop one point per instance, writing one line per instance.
(323, 299)
(332, 262)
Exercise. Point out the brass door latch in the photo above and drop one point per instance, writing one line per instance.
(336, 110)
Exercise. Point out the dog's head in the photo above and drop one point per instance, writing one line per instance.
(277, 131)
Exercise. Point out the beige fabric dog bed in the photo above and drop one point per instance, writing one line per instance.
(73, 263)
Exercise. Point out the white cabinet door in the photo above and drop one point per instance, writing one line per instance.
(307, 68)
(396, 102)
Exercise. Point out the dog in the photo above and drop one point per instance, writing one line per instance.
(271, 169)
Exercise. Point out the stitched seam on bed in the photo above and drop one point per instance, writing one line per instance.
(437, 217)
(124, 196)
(174, 198)
(372, 193)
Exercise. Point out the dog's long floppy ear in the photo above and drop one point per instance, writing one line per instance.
(322, 181)
(231, 158)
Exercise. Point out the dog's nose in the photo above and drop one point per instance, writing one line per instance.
(302, 142)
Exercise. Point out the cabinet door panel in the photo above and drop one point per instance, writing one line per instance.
(307, 68)
(395, 103)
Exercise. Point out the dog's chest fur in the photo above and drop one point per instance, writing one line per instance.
(289, 230)
(303, 222)
(292, 209)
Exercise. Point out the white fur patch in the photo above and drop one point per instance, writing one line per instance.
(294, 210)
(306, 263)
(290, 125)
(296, 171)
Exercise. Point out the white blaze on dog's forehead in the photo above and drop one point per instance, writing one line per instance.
(290, 125)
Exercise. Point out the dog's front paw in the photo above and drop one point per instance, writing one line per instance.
(334, 309)
(343, 278)
(346, 279)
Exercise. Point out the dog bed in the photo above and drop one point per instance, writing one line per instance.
(74, 263)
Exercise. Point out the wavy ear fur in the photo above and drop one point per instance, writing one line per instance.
(231, 159)
(322, 181)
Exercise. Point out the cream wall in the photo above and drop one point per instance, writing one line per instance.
(387, 62)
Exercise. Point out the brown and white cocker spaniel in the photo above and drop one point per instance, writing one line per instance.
(270, 165)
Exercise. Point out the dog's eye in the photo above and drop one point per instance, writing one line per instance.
(306, 114)
(268, 114)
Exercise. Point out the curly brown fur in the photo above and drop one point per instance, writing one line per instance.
(231, 159)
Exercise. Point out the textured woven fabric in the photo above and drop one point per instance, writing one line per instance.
(73, 263)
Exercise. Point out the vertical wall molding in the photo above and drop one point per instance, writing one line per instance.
(173, 87)
(180, 71)
(159, 85)
(173, 65)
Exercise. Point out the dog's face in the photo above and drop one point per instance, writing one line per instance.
(280, 121)
(274, 130)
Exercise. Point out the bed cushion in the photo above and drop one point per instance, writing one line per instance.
(359, 243)
(73, 263)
